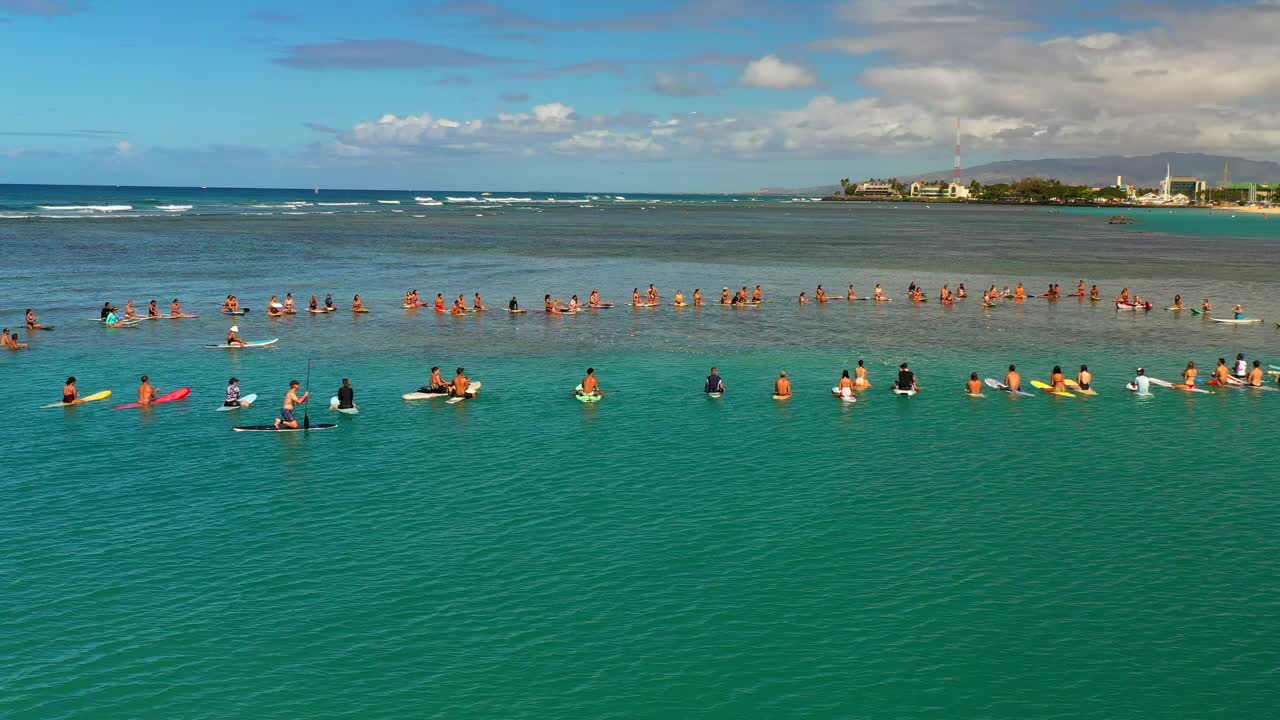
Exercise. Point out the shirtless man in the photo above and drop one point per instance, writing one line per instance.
(289, 307)
(850, 295)
(146, 392)
(1013, 380)
(460, 384)
(757, 295)
(291, 400)
(1256, 375)
(459, 307)
(782, 386)
(974, 386)
(436, 384)
(11, 341)
(130, 310)
(590, 386)
(1206, 306)
(1095, 293)
(1222, 373)
(477, 304)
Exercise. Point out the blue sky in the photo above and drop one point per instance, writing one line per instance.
(691, 95)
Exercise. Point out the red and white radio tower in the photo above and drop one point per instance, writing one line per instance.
(957, 173)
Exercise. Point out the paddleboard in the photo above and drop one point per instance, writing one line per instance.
(245, 401)
(247, 344)
(680, 304)
(173, 396)
(516, 312)
(997, 385)
(333, 405)
(42, 327)
(273, 428)
(1049, 389)
(360, 310)
(975, 395)
(1240, 321)
(781, 397)
(83, 399)
(594, 397)
(900, 391)
(601, 306)
(1134, 389)
(1075, 387)
(844, 395)
(235, 312)
(169, 317)
(471, 391)
(714, 396)
(1197, 311)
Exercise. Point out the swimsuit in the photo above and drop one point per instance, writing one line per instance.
(287, 415)
(67, 399)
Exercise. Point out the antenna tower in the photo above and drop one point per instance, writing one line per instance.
(956, 175)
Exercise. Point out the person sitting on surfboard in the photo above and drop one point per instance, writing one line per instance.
(1255, 376)
(757, 295)
(10, 341)
(1189, 376)
(460, 385)
(1221, 373)
(1239, 312)
(697, 297)
(1241, 368)
(974, 385)
(820, 294)
(1124, 296)
(357, 305)
(477, 304)
(130, 310)
(961, 293)
(436, 385)
(70, 393)
(1013, 380)
(314, 304)
(439, 307)
(879, 293)
(233, 337)
(782, 386)
(1206, 306)
(906, 379)
(146, 392)
(289, 307)
(291, 400)
(1085, 378)
(1095, 293)
(152, 309)
(574, 304)
(635, 297)
(346, 395)
(1177, 302)
(860, 380)
(724, 297)
(679, 301)
(1020, 293)
(514, 305)
(714, 383)
(33, 322)
(459, 307)
(846, 386)
(233, 393)
(1057, 380)
(590, 386)
(328, 303)
(107, 309)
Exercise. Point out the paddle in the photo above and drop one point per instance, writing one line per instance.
(306, 419)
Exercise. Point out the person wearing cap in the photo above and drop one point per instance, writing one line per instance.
(906, 379)
(233, 337)
(1141, 384)
(233, 393)
(460, 384)
(291, 400)
(146, 392)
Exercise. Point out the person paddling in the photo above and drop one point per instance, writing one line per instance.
(291, 400)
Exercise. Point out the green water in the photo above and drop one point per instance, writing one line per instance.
(657, 554)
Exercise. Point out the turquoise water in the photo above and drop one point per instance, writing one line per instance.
(657, 554)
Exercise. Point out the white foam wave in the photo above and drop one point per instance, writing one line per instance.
(174, 208)
(345, 204)
(87, 208)
(424, 199)
(432, 203)
(462, 199)
(388, 202)
(508, 199)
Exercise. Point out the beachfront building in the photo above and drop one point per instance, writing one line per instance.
(939, 190)
(1183, 185)
(876, 189)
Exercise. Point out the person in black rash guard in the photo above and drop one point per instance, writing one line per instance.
(714, 383)
(107, 309)
(906, 378)
(513, 305)
(346, 395)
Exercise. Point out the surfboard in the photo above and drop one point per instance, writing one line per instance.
(245, 401)
(1075, 387)
(173, 396)
(247, 344)
(472, 389)
(1039, 385)
(997, 385)
(1237, 321)
(975, 395)
(516, 312)
(781, 397)
(845, 395)
(333, 405)
(103, 395)
(235, 312)
(715, 395)
(900, 391)
(593, 397)
(273, 428)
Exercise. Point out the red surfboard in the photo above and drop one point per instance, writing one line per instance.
(172, 396)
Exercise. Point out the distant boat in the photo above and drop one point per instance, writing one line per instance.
(316, 191)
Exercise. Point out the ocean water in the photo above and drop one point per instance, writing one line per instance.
(657, 554)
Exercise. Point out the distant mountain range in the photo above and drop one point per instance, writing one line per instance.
(1141, 170)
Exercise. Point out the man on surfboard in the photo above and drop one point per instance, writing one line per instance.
(1013, 380)
(291, 400)
(346, 395)
(460, 384)
(590, 386)
(436, 385)
(906, 379)
(782, 386)
(714, 383)
(146, 392)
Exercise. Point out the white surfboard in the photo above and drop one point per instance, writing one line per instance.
(245, 401)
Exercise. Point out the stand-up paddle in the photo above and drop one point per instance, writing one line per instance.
(306, 419)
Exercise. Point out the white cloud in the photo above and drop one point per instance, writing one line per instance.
(772, 72)
(124, 149)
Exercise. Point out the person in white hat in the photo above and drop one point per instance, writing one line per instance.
(233, 337)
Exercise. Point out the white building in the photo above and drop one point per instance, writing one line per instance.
(953, 191)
